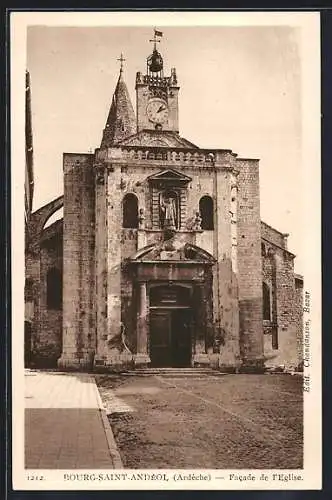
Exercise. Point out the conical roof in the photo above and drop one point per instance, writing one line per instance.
(121, 121)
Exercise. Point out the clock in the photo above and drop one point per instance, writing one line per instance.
(157, 110)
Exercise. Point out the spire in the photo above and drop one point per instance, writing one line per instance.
(121, 121)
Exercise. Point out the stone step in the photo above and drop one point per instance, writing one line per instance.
(174, 372)
(171, 370)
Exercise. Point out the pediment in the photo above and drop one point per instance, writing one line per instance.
(170, 250)
(151, 138)
(169, 176)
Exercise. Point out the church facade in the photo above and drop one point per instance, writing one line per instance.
(161, 258)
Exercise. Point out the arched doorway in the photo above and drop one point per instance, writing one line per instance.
(170, 325)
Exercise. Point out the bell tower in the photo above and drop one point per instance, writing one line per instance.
(156, 94)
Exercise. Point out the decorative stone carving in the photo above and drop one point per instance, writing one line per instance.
(158, 92)
(198, 222)
(173, 79)
(139, 77)
(141, 219)
(173, 249)
(100, 176)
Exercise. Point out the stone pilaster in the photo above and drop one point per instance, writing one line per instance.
(250, 266)
(113, 256)
(141, 357)
(200, 356)
(286, 338)
(226, 326)
(101, 262)
(78, 263)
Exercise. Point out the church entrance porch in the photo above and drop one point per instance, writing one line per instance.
(172, 293)
(171, 322)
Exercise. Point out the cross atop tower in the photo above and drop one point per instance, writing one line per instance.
(122, 60)
(155, 40)
(155, 61)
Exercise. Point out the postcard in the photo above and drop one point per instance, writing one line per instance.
(166, 273)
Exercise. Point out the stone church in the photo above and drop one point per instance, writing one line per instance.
(161, 258)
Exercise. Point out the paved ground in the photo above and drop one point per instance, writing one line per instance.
(225, 422)
(63, 422)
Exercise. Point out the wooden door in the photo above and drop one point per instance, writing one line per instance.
(160, 338)
(181, 338)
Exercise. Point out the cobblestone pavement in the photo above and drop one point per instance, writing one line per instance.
(225, 422)
(63, 422)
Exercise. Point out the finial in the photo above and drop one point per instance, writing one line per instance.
(155, 40)
(155, 61)
(122, 60)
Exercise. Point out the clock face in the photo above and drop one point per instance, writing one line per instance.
(157, 111)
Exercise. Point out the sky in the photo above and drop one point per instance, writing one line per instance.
(240, 89)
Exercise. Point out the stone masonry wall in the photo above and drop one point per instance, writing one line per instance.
(122, 243)
(225, 300)
(85, 245)
(286, 309)
(272, 235)
(113, 245)
(269, 278)
(47, 350)
(285, 284)
(128, 310)
(278, 273)
(32, 273)
(35, 233)
(250, 263)
(101, 264)
(79, 341)
(113, 228)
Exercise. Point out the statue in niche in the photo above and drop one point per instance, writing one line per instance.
(168, 204)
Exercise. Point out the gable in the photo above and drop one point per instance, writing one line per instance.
(169, 175)
(161, 139)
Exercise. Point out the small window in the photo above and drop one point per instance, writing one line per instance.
(130, 211)
(54, 289)
(263, 249)
(266, 303)
(206, 211)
